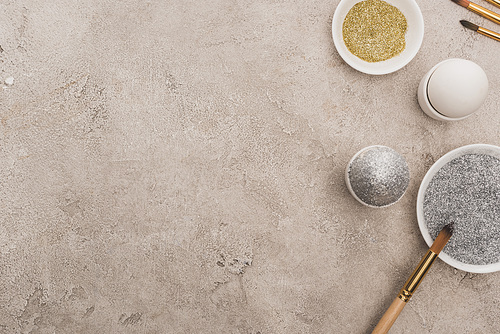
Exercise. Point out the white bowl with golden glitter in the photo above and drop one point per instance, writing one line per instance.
(413, 38)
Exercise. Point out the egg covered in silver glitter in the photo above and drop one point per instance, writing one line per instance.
(377, 176)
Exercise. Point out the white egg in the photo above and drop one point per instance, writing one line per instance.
(457, 88)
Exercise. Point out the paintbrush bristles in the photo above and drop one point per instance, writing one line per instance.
(442, 238)
(469, 25)
(463, 3)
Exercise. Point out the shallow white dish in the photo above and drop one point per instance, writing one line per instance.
(414, 37)
(491, 150)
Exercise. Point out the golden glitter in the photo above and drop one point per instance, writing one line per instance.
(374, 30)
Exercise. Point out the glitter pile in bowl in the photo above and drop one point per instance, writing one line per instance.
(374, 30)
(467, 191)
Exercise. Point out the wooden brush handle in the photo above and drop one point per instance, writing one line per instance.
(389, 316)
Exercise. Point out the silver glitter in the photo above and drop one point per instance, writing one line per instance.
(379, 176)
(467, 191)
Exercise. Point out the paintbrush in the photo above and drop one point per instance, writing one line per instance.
(494, 2)
(492, 16)
(481, 30)
(413, 282)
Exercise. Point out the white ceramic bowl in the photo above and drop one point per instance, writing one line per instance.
(414, 37)
(469, 149)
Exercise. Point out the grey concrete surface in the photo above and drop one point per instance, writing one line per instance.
(177, 167)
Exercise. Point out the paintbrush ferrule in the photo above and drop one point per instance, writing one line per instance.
(418, 275)
(488, 33)
(492, 16)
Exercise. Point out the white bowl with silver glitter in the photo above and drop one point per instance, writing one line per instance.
(414, 37)
(453, 182)
(377, 176)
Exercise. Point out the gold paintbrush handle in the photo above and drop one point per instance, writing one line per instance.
(489, 33)
(494, 2)
(486, 13)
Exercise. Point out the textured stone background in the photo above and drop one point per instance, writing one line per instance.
(177, 167)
